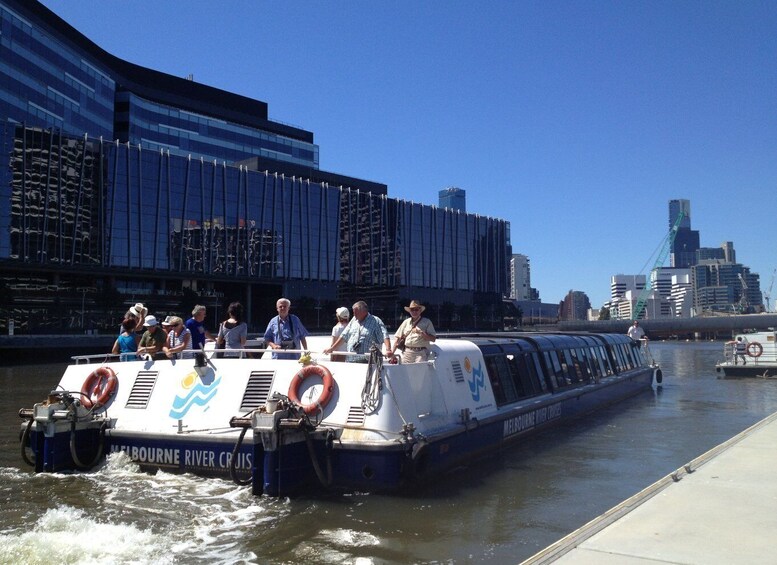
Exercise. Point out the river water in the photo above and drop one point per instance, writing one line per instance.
(499, 510)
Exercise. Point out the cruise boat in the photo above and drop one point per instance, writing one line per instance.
(760, 360)
(285, 425)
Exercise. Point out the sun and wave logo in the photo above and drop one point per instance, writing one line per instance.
(194, 392)
(477, 382)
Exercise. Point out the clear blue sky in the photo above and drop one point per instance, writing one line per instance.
(575, 121)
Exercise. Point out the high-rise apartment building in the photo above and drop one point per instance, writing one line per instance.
(520, 277)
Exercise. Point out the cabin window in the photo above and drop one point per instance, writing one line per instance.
(518, 375)
(617, 357)
(585, 363)
(625, 355)
(537, 372)
(604, 361)
(501, 379)
(527, 381)
(573, 366)
(639, 360)
(562, 379)
(584, 368)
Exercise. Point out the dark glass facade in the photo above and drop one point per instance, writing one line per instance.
(104, 202)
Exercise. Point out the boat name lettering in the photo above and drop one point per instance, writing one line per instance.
(191, 457)
(159, 455)
(529, 420)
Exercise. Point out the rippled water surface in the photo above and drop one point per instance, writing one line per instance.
(499, 510)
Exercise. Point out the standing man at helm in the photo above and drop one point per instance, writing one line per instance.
(636, 334)
(415, 334)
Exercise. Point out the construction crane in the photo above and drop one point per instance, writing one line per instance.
(768, 293)
(665, 247)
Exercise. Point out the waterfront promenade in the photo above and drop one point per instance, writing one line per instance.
(718, 508)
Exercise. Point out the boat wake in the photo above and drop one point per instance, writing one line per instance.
(122, 515)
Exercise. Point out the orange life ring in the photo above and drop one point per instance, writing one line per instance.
(326, 394)
(99, 387)
(754, 349)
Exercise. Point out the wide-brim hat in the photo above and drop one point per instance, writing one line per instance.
(414, 304)
(138, 310)
(150, 321)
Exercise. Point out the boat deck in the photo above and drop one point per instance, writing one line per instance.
(719, 508)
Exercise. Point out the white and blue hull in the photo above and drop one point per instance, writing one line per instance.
(386, 427)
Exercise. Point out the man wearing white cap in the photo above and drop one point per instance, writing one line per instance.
(153, 339)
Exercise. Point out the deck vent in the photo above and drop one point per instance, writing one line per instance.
(355, 416)
(457, 372)
(257, 390)
(141, 389)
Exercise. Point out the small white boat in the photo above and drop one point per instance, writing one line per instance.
(283, 427)
(759, 361)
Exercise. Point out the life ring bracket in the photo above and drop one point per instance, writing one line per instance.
(99, 387)
(755, 349)
(326, 394)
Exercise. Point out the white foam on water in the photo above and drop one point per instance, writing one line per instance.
(119, 514)
(205, 518)
(336, 546)
(69, 535)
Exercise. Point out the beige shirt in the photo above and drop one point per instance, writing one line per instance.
(415, 339)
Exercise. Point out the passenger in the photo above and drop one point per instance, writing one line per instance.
(740, 349)
(285, 331)
(178, 340)
(153, 339)
(636, 334)
(195, 325)
(362, 332)
(414, 335)
(232, 331)
(137, 314)
(127, 342)
(342, 315)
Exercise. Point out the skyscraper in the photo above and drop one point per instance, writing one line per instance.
(453, 198)
(686, 242)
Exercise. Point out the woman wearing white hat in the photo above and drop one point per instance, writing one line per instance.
(414, 335)
(342, 316)
(137, 314)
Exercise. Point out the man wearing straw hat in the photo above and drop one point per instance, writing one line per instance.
(414, 335)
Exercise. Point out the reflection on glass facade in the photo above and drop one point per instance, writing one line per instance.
(112, 204)
(116, 186)
(49, 85)
(159, 126)
(55, 200)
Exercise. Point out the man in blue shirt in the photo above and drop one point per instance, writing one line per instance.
(285, 331)
(363, 331)
(195, 325)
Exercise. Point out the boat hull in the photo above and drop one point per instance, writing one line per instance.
(751, 370)
(381, 428)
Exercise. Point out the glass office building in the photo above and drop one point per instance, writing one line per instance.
(114, 191)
